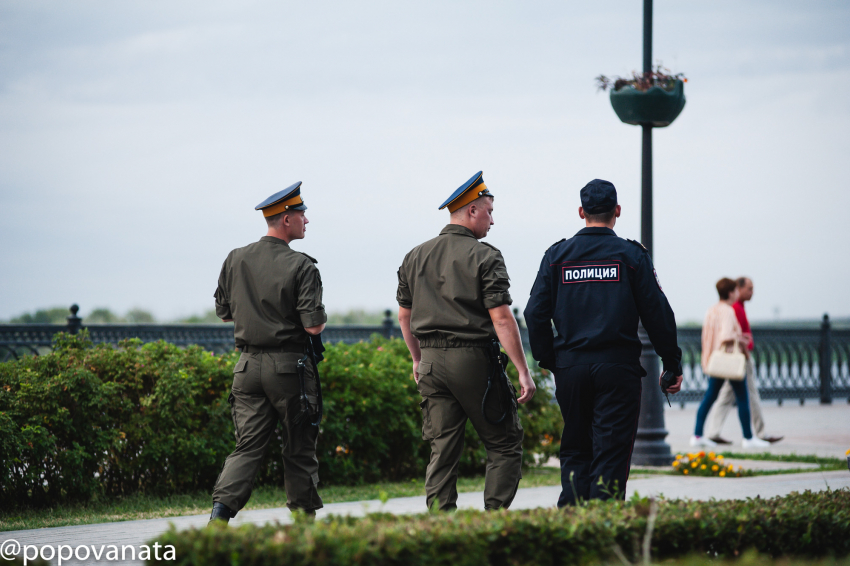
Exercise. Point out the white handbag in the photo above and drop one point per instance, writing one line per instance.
(727, 365)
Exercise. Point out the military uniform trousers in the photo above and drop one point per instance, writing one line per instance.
(601, 405)
(452, 382)
(266, 390)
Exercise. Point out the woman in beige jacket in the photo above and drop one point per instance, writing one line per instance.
(722, 330)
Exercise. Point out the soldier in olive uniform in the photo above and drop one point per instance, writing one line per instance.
(453, 302)
(274, 296)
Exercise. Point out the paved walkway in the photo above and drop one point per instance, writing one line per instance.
(137, 533)
(823, 430)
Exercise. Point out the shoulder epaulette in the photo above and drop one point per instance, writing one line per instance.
(314, 260)
(490, 246)
(556, 243)
(635, 242)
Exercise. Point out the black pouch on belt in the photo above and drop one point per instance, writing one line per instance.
(497, 379)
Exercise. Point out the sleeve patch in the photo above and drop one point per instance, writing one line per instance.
(658, 281)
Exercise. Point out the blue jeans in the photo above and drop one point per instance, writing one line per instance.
(742, 399)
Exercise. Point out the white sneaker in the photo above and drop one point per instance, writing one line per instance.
(754, 442)
(702, 441)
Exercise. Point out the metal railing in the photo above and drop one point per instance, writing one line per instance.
(790, 363)
(23, 339)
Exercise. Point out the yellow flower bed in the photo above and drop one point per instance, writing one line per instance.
(706, 464)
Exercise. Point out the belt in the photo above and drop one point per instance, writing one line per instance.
(441, 342)
(285, 348)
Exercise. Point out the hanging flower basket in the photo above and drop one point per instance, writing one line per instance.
(653, 98)
(655, 106)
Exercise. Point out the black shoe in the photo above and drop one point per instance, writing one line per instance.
(719, 440)
(773, 439)
(221, 512)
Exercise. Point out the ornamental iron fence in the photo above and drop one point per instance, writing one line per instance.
(790, 363)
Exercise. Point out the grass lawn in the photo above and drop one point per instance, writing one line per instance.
(267, 497)
(825, 464)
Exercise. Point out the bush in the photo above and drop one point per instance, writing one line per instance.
(808, 524)
(89, 421)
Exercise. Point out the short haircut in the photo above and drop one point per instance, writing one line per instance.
(274, 220)
(460, 211)
(602, 217)
(742, 281)
(725, 287)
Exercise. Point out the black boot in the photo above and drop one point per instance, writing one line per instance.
(221, 512)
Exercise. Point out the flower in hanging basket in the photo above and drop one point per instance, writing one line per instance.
(653, 99)
(660, 77)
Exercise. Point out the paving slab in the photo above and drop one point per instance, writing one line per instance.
(137, 533)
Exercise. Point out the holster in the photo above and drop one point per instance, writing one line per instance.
(308, 414)
(497, 378)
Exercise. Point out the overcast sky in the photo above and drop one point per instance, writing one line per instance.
(137, 137)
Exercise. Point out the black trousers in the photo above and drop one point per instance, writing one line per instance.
(601, 406)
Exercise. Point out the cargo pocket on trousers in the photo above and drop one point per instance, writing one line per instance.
(426, 420)
(424, 369)
(232, 401)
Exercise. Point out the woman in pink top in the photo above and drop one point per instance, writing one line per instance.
(721, 329)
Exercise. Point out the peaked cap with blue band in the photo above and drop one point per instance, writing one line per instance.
(287, 199)
(467, 192)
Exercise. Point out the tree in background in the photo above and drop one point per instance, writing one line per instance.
(209, 317)
(358, 316)
(139, 316)
(101, 315)
(56, 315)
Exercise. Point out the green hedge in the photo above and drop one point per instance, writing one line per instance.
(808, 524)
(92, 421)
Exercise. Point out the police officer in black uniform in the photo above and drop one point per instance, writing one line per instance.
(596, 287)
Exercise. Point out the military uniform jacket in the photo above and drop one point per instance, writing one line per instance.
(595, 287)
(272, 293)
(449, 283)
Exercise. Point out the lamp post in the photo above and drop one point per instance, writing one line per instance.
(651, 448)
(653, 107)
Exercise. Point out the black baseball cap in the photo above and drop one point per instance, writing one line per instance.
(598, 196)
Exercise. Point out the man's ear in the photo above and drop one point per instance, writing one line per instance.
(284, 220)
(581, 213)
(617, 211)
